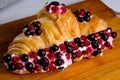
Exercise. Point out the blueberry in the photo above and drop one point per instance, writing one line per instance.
(77, 40)
(66, 43)
(74, 55)
(88, 14)
(104, 37)
(60, 68)
(43, 62)
(114, 34)
(83, 52)
(101, 33)
(109, 29)
(95, 53)
(27, 33)
(80, 19)
(54, 3)
(86, 18)
(54, 48)
(29, 67)
(24, 57)
(98, 50)
(58, 55)
(81, 44)
(58, 62)
(38, 31)
(95, 44)
(91, 37)
(12, 66)
(7, 58)
(41, 52)
(76, 13)
(107, 44)
(45, 67)
(69, 49)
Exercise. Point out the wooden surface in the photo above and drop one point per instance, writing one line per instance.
(106, 67)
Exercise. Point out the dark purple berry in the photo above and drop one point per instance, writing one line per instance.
(45, 67)
(60, 68)
(95, 53)
(76, 13)
(7, 58)
(80, 19)
(54, 48)
(86, 18)
(95, 44)
(109, 29)
(98, 50)
(81, 44)
(43, 62)
(26, 26)
(41, 52)
(58, 62)
(83, 52)
(24, 57)
(101, 33)
(12, 66)
(19, 66)
(88, 13)
(29, 66)
(107, 44)
(27, 33)
(114, 34)
(69, 49)
(54, 3)
(74, 55)
(77, 40)
(104, 37)
(91, 37)
(66, 43)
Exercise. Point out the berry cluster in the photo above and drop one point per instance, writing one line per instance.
(32, 29)
(62, 55)
(82, 15)
(55, 7)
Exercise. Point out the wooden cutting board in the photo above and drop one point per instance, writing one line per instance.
(106, 67)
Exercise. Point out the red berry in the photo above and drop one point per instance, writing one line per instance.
(100, 41)
(71, 43)
(89, 50)
(35, 60)
(86, 42)
(37, 67)
(68, 56)
(83, 37)
(62, 47)
(102, 47)
(19, 66)
(16, 59)
(75, 47)
(31, 28)
(63, 9)
(32, 55)
(52, 66)
(54, 9)
(110, 47)
(78, 53)
(82, 12)
(51, 56)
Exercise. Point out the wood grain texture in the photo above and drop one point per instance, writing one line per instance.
(106, 67)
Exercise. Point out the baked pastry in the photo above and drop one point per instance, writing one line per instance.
(56, 39)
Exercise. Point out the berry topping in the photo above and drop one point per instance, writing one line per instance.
(114, 34)
(107, 44)
(54, 48)
(24, 57)
(98, 50)
(95, 53)
(101, 33)
(32, 29)
(58, 62)
(69, 49)
(109, 29)
(83, 52)
(66, 43)
(19, 66)
(58, 55)
(12, 66)
(7, 58)
(54, 3)
(29, 67)
(95, 44)
(41, 52)
(104, 37)
(74, 55)
(82, 15)
(91, 37)
(43, 62)
(81, 44)
(15, 59)
(45, 67)
(55, 7)
(77, 40)
(60, 68)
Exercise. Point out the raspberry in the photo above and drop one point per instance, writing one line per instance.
(68, 56)
(86, 43)
(78, 53)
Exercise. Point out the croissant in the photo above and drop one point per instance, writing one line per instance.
(56, 39)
